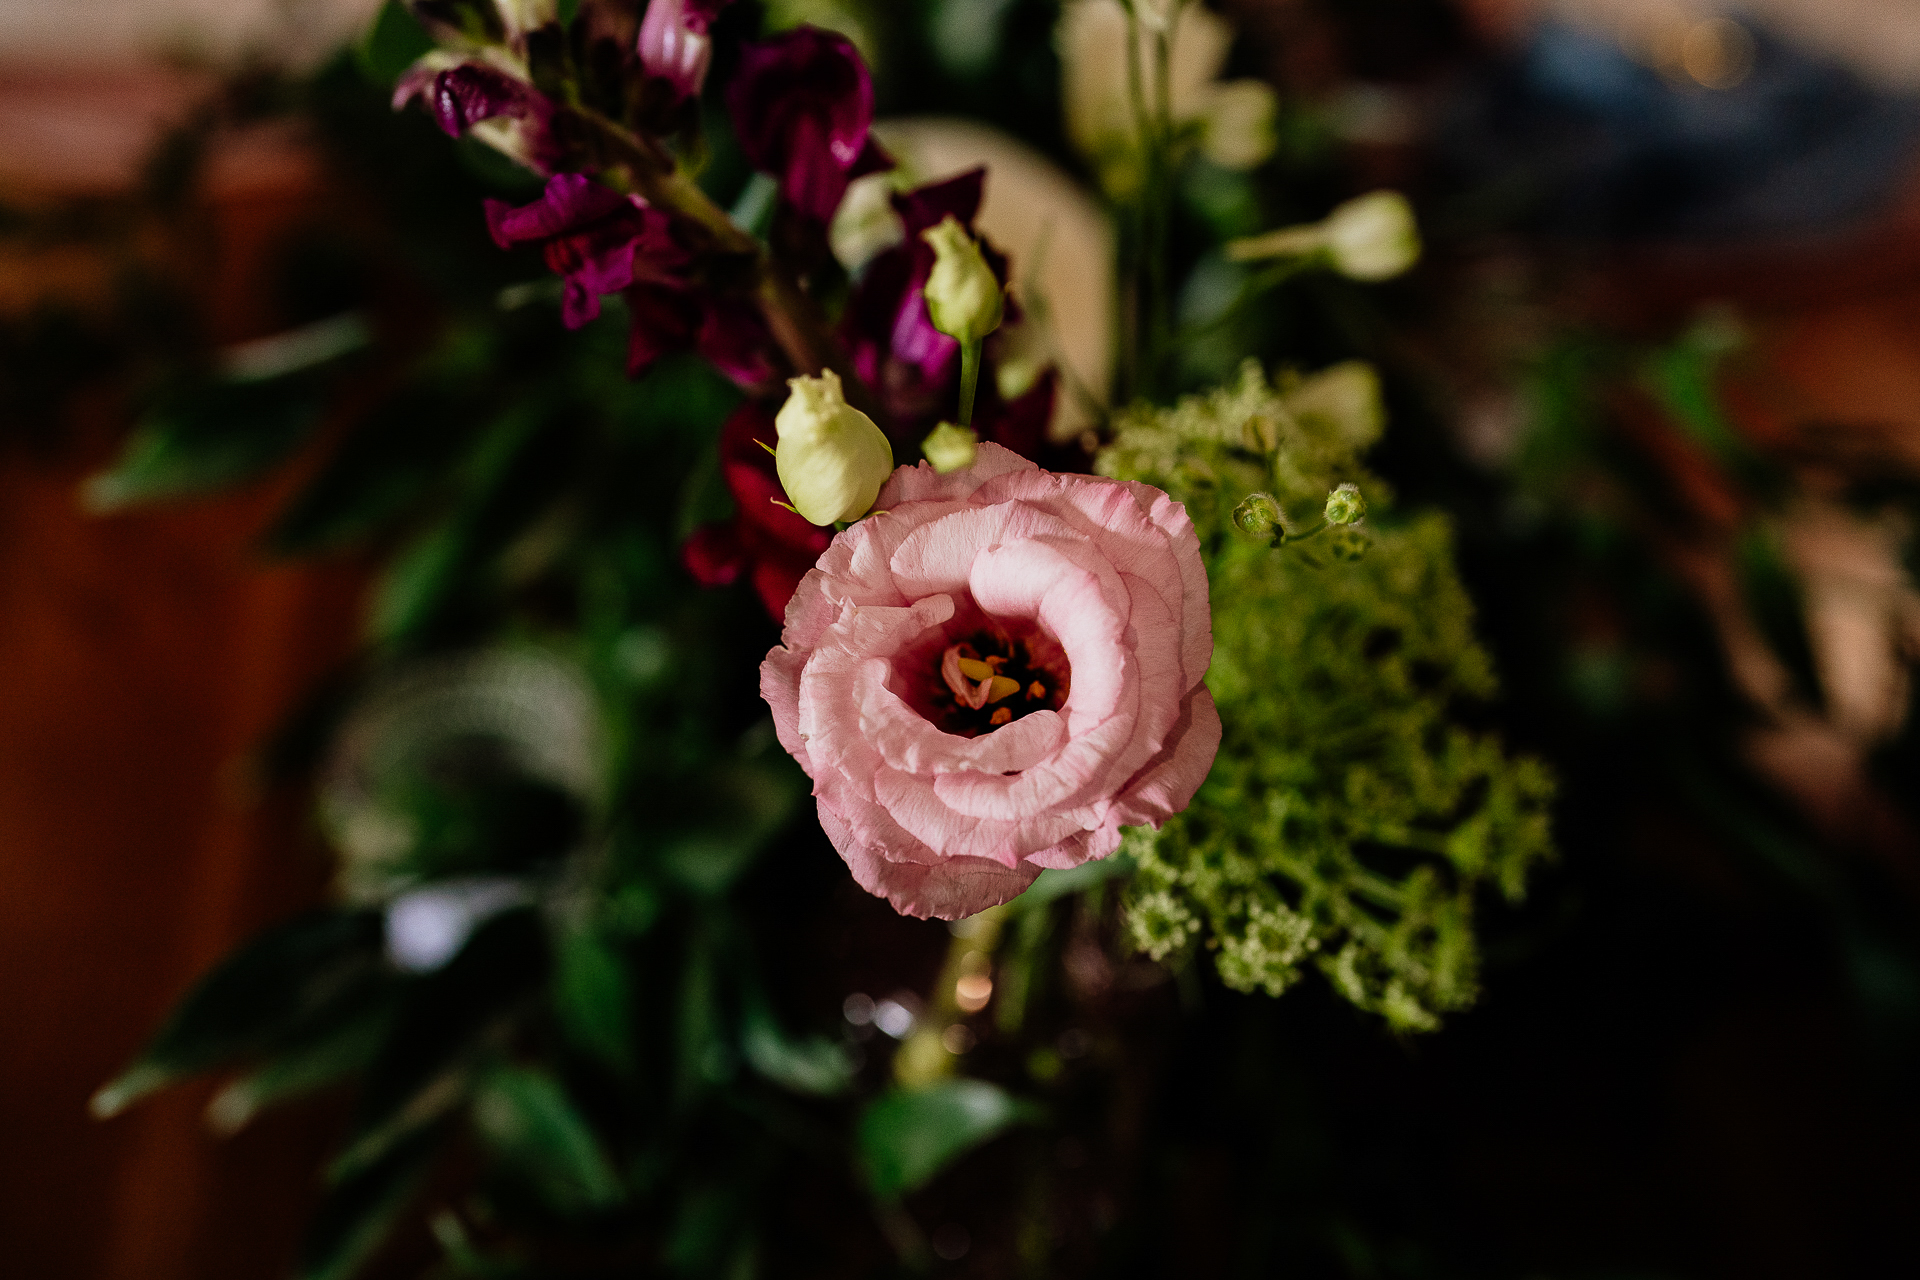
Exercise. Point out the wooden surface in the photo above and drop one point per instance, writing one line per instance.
(144, 656)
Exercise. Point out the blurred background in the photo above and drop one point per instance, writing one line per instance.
(1661, 365)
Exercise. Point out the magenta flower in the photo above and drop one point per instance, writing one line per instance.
(596, 240)
(674, 45)
(501, 108)
(802, 105)
(601, 242)
(889, 336)
(995, 676)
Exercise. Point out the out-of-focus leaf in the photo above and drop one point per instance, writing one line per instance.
(1053, 885)
(300, 1068)
(360, 1210)
(908, 1136)
(392, 43)
(286, 978)
(227, 434)
(749, 803)
(813, 1065)
(593, 999)
(380, 471)
(507, 741)
(447, 1013)
(528, 1120)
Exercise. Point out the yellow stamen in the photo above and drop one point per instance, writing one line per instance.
(1003, 687)
(1003, 716)
(1036, 691)
(974, 669)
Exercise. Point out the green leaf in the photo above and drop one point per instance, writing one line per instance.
(908, 1136)
(528, 1120)
(1053, 885)
(287, 978)
(447, 1013)
(360, 1210)
(392, 44)
(813, 1065)
(318, 1061)
(593, 999)
(227, 434)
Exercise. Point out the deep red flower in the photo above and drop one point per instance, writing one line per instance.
(802, 105)
(475, 93)
(769, 544)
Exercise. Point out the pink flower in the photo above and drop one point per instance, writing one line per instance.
(673, 42)
(995, 676)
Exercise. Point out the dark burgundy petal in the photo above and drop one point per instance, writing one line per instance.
(802, 106)
(734, 337)
(1019, 425)
(664, 321)
(571, 202)
(468, 94)
(714, 555)
(925, 207)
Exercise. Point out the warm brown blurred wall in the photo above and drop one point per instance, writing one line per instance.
(144, 656)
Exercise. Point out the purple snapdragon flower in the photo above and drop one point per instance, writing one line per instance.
(599, 242)
(802, 105)
(499, 106)
(674, 45)
(889, 335)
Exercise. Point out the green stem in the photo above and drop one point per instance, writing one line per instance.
(969, 378)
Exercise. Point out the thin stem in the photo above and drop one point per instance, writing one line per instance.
(969, 379)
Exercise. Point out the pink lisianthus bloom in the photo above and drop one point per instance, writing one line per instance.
(994, 675)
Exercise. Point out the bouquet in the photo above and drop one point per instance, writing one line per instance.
(739, 500)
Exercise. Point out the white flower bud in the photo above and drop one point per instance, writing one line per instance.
(1373, 237)
(963, 296)
(831, 457)
(950, 448)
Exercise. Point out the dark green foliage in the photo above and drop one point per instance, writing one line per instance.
(908, 1136)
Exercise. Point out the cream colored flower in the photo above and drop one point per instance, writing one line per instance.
(1234, 120)
(831, 457)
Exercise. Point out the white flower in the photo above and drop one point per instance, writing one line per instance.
(831, 457)
(1235, 120)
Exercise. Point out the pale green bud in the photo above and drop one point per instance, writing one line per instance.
(1373, 237)
(831, 457)
(1258, 516)
(1345, 505)
(963, 297)
(950, 448)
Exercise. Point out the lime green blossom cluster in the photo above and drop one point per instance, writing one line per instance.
(1349, 821)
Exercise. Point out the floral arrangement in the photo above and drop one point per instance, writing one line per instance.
(1046, 628)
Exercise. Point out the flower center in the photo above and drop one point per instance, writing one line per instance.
(990, 679)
